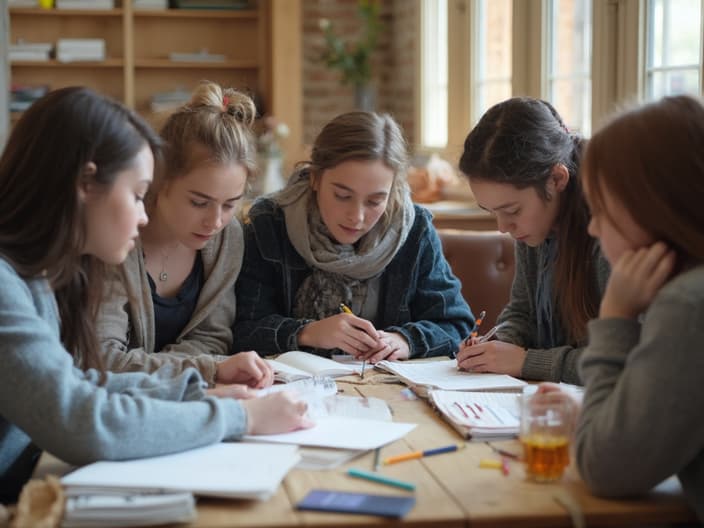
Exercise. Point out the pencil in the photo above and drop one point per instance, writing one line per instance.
(420, 454)
(345, 309)
(358, 473)
(477, 324)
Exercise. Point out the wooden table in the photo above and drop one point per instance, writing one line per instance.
(452, 491)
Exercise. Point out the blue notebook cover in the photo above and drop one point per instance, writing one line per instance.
(359, 503)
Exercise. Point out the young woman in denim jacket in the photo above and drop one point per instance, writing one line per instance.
(522, 163)
(344, 230)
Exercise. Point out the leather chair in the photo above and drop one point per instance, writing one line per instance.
(485, 263)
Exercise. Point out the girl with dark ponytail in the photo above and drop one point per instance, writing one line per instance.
(522, 164)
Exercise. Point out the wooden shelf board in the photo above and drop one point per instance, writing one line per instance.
(109, 63)
(226, 65)
(66, 12)
(197, 13)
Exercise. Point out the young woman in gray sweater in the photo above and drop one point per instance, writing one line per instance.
(522, 163)
(172, 301)
(72, 179)
(641, 417)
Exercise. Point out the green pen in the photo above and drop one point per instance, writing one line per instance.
(374, 477)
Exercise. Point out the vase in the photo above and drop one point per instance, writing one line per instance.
(364, 97)
(273, 176)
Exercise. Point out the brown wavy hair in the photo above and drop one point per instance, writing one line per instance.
(651, 158)
(519, 141)
(42, 220)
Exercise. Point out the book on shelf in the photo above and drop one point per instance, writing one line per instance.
(444, 374)
(296, 364)
(80, 49)
(479, 415)
(233, 470)
(211, 4)
(85, 4)
(150, 4)
(23, 3)
(30, 51)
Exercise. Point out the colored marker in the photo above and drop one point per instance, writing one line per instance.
(358, 473)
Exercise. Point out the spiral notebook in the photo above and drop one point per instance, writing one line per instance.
(479, 415)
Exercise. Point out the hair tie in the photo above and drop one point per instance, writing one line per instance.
(225, 101)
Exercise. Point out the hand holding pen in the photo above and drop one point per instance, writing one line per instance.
(345, 309)
(347, 332)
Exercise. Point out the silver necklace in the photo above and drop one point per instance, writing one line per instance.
(163, 275)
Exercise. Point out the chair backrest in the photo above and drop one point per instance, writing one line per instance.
(485, 263)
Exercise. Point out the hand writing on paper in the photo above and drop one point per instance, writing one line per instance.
(349, 333)
(247, 368)
(635, 279)
(279, 412)
(492, 356)
(392, 346)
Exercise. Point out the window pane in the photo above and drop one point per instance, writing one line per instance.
(492, 74)
(434, 73)
(673, 47)
(569, 61)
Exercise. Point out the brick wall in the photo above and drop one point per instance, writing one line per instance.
(324, 96)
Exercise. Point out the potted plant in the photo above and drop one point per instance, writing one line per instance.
(354, 59)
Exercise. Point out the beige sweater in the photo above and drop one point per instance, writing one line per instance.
(126, 318)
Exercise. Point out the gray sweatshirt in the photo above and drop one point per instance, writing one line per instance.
(126, 319)
(520, 328)
(45, 400)
(641, 418)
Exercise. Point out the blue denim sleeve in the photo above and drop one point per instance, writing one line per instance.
(440, 317)
(262, 323)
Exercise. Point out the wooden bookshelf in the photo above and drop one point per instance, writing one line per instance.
(138, 44)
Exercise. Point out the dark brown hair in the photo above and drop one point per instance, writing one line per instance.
(42, 220)
(519, 142)
(215, 126)
(651, 159)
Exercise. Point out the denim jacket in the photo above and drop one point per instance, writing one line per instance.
(419, 297)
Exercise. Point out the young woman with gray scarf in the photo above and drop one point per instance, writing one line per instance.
(344, 230)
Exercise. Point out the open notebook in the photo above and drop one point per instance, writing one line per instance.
(443, 374)
(479, 415)
(295, 365)
(237, 470)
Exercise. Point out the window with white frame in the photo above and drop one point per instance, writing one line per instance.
(568, 61)
(434, 73)
(673, 47)
(492, 25)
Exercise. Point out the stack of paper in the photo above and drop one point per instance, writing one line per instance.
(479, 415)
(80, 49)
(239, 470)
(128, 509)
(445, 375)
(23, 3)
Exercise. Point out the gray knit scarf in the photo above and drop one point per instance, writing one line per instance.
(341, 272)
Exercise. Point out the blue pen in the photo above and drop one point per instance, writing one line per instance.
(358, 473)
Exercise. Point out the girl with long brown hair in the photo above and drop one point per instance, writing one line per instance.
(522, 164)
(72, 179)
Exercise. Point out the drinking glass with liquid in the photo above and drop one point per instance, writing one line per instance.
(545, 434)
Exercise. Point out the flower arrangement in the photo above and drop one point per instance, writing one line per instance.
(268, 143)
(354, 61)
